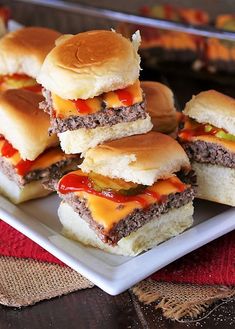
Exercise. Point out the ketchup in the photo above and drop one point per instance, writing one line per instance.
(188, 134)
(124, 96)
(81, 106)
(35, 88)
(23, 167)
(75, 183)
(7, 149)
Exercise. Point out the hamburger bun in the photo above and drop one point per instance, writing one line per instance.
(214, 108)
(23, 51)
(89, 138)
(16, 194)
(141, 159)
(215, 183)
(23, 124)
(90, 63)
(160, 106)
(159, 229)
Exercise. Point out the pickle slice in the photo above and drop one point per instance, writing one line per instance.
(102, 183)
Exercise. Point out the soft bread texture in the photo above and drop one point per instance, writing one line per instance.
(160, 106)
(23, 51)
(79, 141)
(142, 159)
(215, 183)
(151, 234)
(214, 108)
(17, 194)
(90, 63)
(23, 124)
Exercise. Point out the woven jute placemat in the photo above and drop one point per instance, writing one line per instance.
(178, 301)
(25, 281)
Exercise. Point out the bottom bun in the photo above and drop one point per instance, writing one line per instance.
(146, 237)
(80, 140)
(18, 194)
(215, 183)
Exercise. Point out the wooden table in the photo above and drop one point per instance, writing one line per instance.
(93, 308)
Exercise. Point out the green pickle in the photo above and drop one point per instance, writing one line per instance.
(102, 183)
(224, 135)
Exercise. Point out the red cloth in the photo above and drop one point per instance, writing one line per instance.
(211, 264)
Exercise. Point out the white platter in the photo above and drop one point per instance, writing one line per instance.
(114, 274)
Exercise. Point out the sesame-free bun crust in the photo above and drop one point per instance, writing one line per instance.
(159, 229)
(80, 140)
(160, 106)
(215, 183)
(16, 194)
(141, 159)
(90, 63)
(214, 108)
(23, 124)
(23, 51)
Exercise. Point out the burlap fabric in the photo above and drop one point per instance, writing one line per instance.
(178, 301)
(25, 281)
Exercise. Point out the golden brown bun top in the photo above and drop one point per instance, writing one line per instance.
(214, 108)
(90, 63)
(23, 124)
(152, 151)
(160, 106)
(23, 51)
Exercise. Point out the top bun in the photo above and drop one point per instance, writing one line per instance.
(90, 63)
(160, 106)
(142, 159)
(23, 51)
(23, 124)
(214, 108)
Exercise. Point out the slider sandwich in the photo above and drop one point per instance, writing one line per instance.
(28, 156)
(208, 137)
(160, 106)
(129, 195)
(22, 53)
(92, 89)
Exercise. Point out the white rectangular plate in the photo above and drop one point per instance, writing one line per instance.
(114, 274)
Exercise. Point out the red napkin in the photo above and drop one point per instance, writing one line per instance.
(211, 264)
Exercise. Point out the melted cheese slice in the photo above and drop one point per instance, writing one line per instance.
(108, 213)
(44, 160)
(64, 108)
(227, 144)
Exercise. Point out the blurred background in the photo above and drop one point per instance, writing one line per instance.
(186, 63)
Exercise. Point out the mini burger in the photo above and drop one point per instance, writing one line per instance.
(22, 53)
(92, 89)
(160, 106)
(28, 156)
(129, 195)
(208, 137)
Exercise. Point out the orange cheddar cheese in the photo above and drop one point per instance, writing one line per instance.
(125, 97)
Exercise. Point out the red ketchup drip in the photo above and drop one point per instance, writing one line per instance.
(199, 131)
(8, 150)
(199, 16)
(23, 167)
(124, 96)
(5, 13)
(35, 88)
(75, 183)
(168, 11)
(81, 106)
